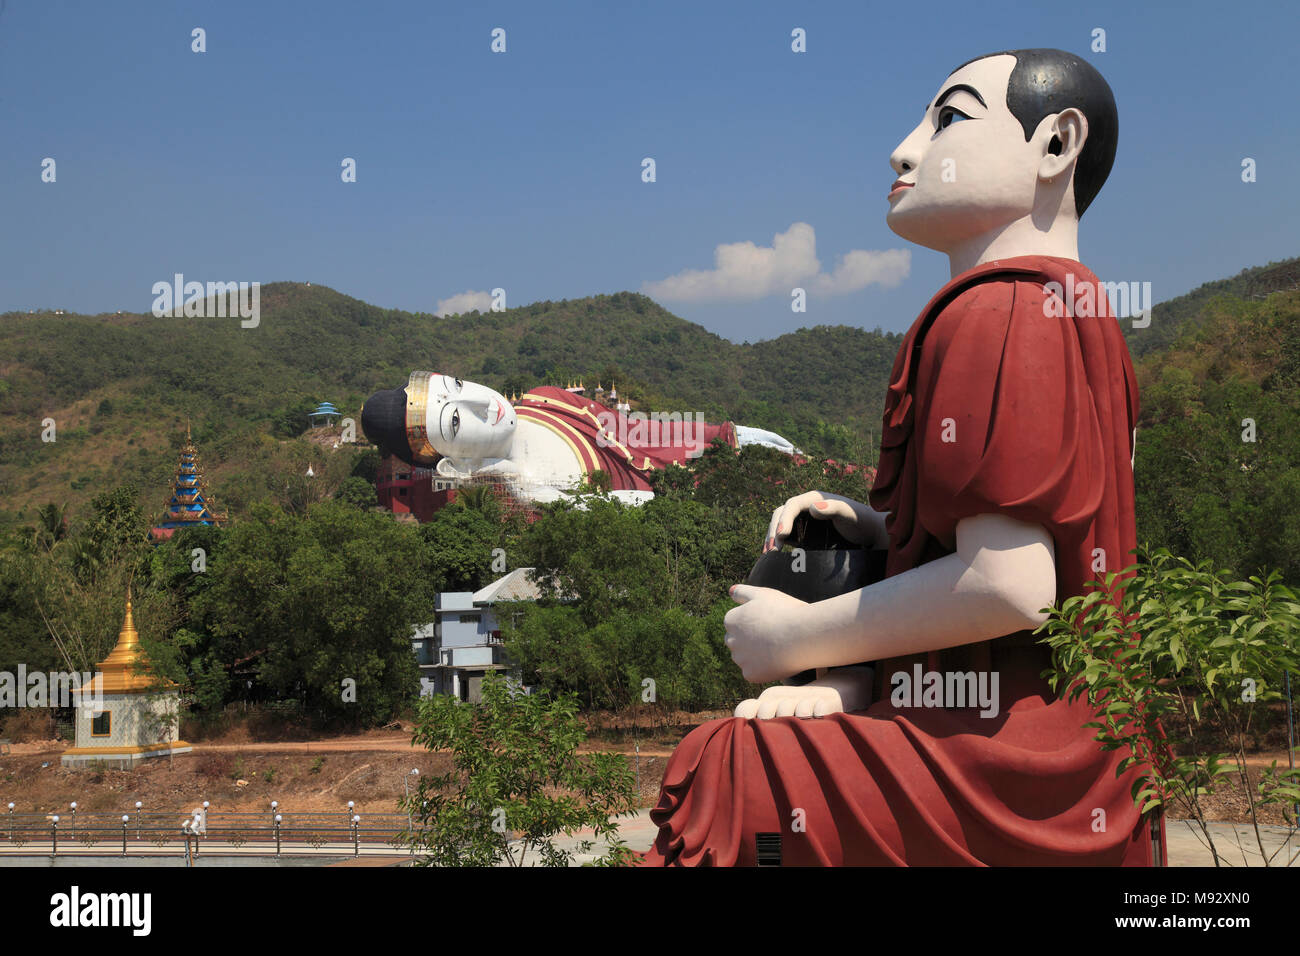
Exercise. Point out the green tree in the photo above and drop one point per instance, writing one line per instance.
(115, 532)
(325, 603)
(517, 783)
(357, 492)
(51, 527)
(458, 545)
(1179, 659)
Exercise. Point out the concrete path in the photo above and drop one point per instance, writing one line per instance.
(1236, 844)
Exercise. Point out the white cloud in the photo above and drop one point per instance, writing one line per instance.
(744, 271)
(466, 301)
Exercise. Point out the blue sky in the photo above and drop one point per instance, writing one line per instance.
(522, 170)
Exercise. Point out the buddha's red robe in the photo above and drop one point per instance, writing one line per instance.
(1043, 409)
(605, 440)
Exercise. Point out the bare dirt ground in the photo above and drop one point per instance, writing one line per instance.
(237, 772)
(369, 769)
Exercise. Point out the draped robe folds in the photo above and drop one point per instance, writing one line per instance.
(1004, 402)
(606, 440)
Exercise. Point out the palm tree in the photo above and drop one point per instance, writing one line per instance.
(51, 526)
(477, 498)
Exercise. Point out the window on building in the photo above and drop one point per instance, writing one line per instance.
(101, 725)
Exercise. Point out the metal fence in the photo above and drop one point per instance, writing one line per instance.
(142, 832)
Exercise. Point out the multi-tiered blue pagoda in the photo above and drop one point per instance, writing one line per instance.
(191, 505)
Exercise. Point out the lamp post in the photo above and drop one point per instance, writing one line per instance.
(356, 833)
(275, 805)
(126, 819)
(138, 805)
(73, 807)
(1291, 738)
(277, 834)
(11, 822)
(54, 835)
(406, 788)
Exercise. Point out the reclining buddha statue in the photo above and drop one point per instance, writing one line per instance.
(547, 442)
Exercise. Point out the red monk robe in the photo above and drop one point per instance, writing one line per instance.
(1044, 410)
(628, 450)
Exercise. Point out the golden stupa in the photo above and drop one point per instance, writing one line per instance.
(126, 715)
(123, 671)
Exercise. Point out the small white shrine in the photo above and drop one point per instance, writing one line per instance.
(134, 716)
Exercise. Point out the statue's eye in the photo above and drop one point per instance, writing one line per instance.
(948, 114)
(459, 384)
(455, 423)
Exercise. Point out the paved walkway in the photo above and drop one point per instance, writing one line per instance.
(1236, 844)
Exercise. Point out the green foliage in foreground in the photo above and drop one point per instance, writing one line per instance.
(637, 594)
(1180, 661)
(517, 784)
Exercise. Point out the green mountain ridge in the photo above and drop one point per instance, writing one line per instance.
(121, 388)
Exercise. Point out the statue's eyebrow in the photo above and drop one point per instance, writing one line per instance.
(958, 88)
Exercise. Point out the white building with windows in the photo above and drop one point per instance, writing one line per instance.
(463, 642)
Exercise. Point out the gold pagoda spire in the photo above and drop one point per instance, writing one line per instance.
(123, 670)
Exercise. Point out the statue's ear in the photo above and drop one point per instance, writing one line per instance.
(1064, 134)
(446, 469)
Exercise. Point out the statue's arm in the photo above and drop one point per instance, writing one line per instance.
(1001, 575)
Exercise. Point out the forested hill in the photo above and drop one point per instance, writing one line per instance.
(121, 387)
(1218, 449)
(1171, 317)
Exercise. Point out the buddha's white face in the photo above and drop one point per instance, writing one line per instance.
(468, 421)
(966, 169)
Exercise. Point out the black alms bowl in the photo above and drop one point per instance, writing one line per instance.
(830, 564)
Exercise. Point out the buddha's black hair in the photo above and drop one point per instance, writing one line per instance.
(1047, 81)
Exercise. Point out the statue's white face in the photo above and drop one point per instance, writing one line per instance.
(966, 169)
(468, 421)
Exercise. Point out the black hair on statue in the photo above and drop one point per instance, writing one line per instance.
(1047, 81)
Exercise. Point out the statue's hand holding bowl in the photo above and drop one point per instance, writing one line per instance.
(859, 523)
(766, 633)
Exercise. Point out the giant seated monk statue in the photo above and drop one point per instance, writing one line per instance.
(1004, 485)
